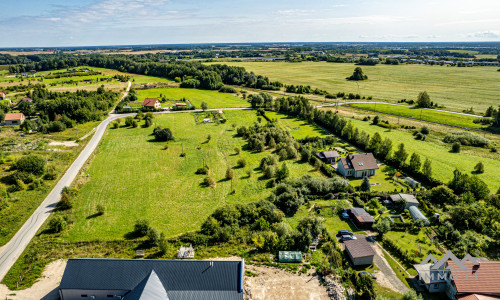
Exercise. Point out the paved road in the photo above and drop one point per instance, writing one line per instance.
(15, 247)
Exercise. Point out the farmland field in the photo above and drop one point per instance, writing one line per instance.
(456, 88)
(135, 177)
(214, 99)
(425, 114)
(443, 161)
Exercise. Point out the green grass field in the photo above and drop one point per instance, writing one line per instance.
(443, 161)
(456, 88)
(424, 114)
(134, 177)
(196, 97)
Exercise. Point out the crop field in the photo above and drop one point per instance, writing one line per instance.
(214, 99)
(456, 88)
(135, 177)
(423, 114)
(135, 77)
(443, 161)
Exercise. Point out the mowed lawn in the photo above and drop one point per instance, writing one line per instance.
(135, 178)
(424, 114)
(456, 88)
(443, 161)
(214, 99)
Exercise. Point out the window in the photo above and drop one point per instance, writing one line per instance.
(84, 296)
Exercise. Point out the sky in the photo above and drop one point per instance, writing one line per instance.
(56, 23)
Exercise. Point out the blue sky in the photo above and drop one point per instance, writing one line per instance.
(46, 23)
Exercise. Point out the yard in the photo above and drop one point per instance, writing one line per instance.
(150, 182)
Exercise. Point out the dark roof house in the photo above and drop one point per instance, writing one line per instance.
(360, 217)
(328, 156)
(357, 165)
(360, 251)
(133, 279)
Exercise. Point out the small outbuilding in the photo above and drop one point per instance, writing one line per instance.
(360, 217)
(180, 104)
(412, 182)
(186, 252)
(290, 256)
(410, 200)
(14, 118)
(360, 251)
(3, 96)
(416, 215)
(328, 157)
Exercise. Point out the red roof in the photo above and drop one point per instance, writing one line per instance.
(483, 278)
(13, 116)
(476, 297)
(2, 94)
(150, 102)
(180, 104)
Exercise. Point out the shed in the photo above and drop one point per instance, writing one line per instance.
(412, 182)
(408, 198)
(290, 256)
(360, 251)
(186, 252)
(180, 104)
(328, 156)
(360, 217)
(416, 214)
(14, 118)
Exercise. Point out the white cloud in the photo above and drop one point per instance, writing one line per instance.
(489, 34)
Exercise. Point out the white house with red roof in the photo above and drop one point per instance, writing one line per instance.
(151, 103)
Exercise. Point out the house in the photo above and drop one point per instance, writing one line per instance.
(480, 279)
(14, 119)
(186, 252)
(151, 103)
(290, 256)
(360, 251)
(131, 279)
(360, 217)
(328, 156)
(3, 96)
(357, 165)
(416, 215)
(410, 200)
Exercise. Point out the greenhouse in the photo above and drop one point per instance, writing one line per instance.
(290, 256)
(416, 214)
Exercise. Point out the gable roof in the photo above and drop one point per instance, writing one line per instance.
(361, 215)
(477, 297)
(359, 162)
(482, 278)
(407, 197)
(359, 248)
(149, 102)
(182, 279)
(149, 288)
(13, 116)
(180, 104)
(328, 154)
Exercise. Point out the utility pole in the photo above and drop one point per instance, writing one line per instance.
(420, 114)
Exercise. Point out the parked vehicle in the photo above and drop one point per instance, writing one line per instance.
(344, 232)
(345, 216)
(348, 237)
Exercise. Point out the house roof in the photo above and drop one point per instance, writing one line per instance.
(482, 278)
(26, 99)
(180, 104)
(13, 116)
(149, 102)
(328, 154)
(361, 215)
(2, 94)
(359, 248)
(407, 197)
(181, 279)
(477, 297)
(359, 162)
(149, 288)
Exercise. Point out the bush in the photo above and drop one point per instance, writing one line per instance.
(115, 125)
(227, 89)
(237, 150)
(100, 209)
(229, 173)
(203, 170)
(479, 168)
(163, 244)
(242, 163)
(65, 202)
(190, 83)
(31, 164)
(466, 138)
(163, 134)
(57, 224)
(455, 148)
(425, 130)
(153, 236)
(56, 126)
(141, 227)
(129, 121)
(209, 181)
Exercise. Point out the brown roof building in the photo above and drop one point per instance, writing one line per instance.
(357, 165)
(360, 251)
(180, 104)
(14, 119)
(481, 278)
(151, 103)
(328, 156)
(360, 217)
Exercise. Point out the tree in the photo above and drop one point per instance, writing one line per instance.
(384, 150)
(401, 155)
(365, 185)
(31, 164)
(229, 173)
(100, 209)
(412, 295)
(376, 120)
(57, 224)
(427, 168)
(455, 147)
(357, 75)
(204, 105)
(415, 162)
(375, 142)
(424, 100)
(27, 108)
(2, 115)
(283, 172)
(490, 112)
(241, 163)
(153, 236)
(442, 194)
(163, 134)
(382, 226)
(479, 168)
(141, 227)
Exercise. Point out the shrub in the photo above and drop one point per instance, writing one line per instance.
(31, 164)
(115, 125)
(129, 121)
(203, 170)
(163, 134)
(479, 168)
(65, 202)
(229, 173)
(466, 138)
(134, 124)
(141, 227)
(163, 244)
(190, 83)
(209, 181)
(376, 120)
(227, 89)
(237, 150)
(269, 171)
(153, 236)
(455, 147)
(56, 126)
(242, 163)
(57, 224)
(425, 130)
(100, 209)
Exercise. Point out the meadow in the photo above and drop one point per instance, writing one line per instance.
(444, 162)
(214, 99)
(134, 177)
(455, 88)
(423, 114)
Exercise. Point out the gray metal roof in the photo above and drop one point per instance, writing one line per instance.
(182, 279)
(150, 288)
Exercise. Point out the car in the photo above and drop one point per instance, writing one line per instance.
(348, 237)
(368, 274)
(345, 215)
(344, 232)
